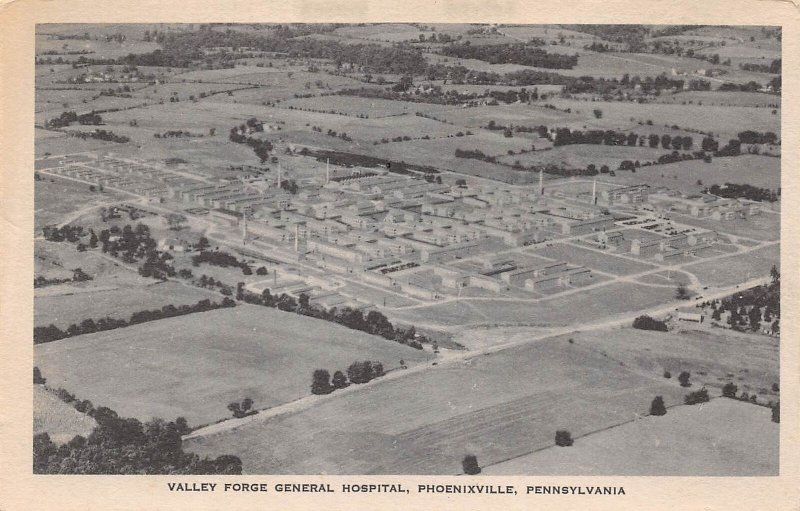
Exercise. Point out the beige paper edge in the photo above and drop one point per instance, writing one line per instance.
(20, 490)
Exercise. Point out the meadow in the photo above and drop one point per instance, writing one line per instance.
(194, 365)
(736, 268)
(721, 438)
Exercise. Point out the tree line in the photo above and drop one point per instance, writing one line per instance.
(67, 118)
(518, 53)
(373, 322)
(357, 373)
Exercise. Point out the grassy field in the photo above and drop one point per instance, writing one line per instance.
(720, 438)
(736, 268)
(55, 198)
(589, 305)
(116, 301)
(580, 156)
(590, 258)
(56, 418)
(495, 407)
(725, 121)
(760, 171)
(194, 365)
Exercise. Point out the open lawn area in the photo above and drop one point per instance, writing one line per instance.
(737, 267)
(55, 198)
(592, 259)
(721, 438)
(496, 407)
(194, 365)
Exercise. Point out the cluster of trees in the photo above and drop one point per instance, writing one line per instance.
(242, 409)
(373, 322)
(773, 67)
(261, 147)
(757, 137)
(71, 233)
(435, 95)
(475, 154)
(746, 307)
(67, 118)
(742, 191)
(78, 275)
(121, 445)
(43, 334)
(108, 136)
(220, 258)
(647, 323)
(522, 54)
(177, 134)
(357, 372)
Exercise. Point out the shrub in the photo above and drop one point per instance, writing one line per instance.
(776, 412)
(775, 387)
(37, 377)
(647, 323)
(564, 438)
(729, 390)
(667, 375)
(321, 382)
(470, 465)
(683, 378)
(698, 396)
(657, 406)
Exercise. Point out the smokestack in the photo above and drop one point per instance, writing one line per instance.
(594, 192)
(541, 182)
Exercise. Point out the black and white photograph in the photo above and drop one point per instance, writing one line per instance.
(413, 249)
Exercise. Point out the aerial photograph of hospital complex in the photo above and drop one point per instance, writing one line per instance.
(406, 248)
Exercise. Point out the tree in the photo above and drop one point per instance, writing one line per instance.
(470, 465)
(236, 409)
(699, 396)
(729, 390)
(37, 377)
(321, 382)
(598, 114)
(564, 438)
(202, 243)
(681, 293)
(657, 406)
(776, 412)
(683, 378)
(339, 380)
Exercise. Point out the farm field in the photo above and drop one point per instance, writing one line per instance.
(194, 365)
(582, 155)
(721, 438)
(370, 107)
(56, 418)
(111, 298)
(726, 122)
(760, 171)
(473, 409)
(733, 269)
